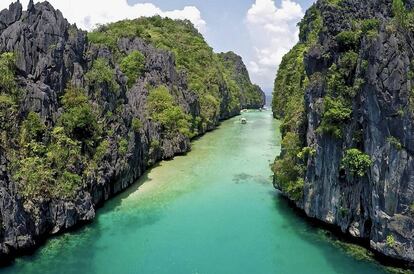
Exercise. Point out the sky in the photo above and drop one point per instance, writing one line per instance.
(261, 31)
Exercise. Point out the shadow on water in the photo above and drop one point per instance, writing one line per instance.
(242, 178)
(81, 238)
(318, 233)
(116, 201)
(53, 253)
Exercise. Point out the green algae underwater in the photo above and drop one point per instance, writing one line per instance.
(213, 210)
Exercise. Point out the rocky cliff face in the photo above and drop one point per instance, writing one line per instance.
(81, 120)
(347, 156)
(251, 96)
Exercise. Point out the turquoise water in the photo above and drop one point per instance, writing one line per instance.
(211, 211)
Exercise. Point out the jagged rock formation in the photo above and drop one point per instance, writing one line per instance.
(108, 111)
(347, 156)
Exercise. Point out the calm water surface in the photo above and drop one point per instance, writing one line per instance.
(212, 211)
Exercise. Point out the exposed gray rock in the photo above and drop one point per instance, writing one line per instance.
(11, 15)
(378, 206)
(52, 55)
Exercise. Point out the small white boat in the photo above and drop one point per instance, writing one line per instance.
(243, 121)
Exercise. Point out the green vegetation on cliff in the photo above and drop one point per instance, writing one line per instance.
(133, 65)
(208, 75)
(356, 162)
(288, 104)
(164, 110)
(101, 74)
(289, 170)
(403, 16)
(53, 155)
(188, 46)
(10, 95)
(237, 77)
(335, 109)
(291, 79)
(334, 116)
(52, 161)
(358, 114)
(399, 12)
(290, 83)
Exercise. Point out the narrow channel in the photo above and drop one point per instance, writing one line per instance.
(213, 210)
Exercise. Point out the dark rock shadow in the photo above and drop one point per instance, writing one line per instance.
(317, 232)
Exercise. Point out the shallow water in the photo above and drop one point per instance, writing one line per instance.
(211, 211)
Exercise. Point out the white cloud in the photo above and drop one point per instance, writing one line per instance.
(273, 32)
(88, 13)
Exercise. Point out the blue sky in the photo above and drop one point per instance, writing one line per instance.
(226, 27)
(261, 31)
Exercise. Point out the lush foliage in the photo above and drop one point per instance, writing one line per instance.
(412, 208)
(53, 162)
(334, 116)
(369, 25)
(207, 75)
(288, 103)
(390, 241)
(102, 74)
(47, 172)
(290, 81)
(356, 162)
(136, 124)
(32, 129)
(123, 146)
(7, 76)
(239, 82)
(163, 109)
(404, 17)
(9, 95)
(399, 12)
(334, 2)
(78, 119)
(289, 169)
(109, 34)
(348, 39)
(310, 26)
(133, 65)
(340, 78)
(395, 142)
(342, 87)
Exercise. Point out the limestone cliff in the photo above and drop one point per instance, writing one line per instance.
(251, 96)
(345, 94)
(83, 115)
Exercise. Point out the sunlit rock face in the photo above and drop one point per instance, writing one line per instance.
(52, 56)
(357, 97)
